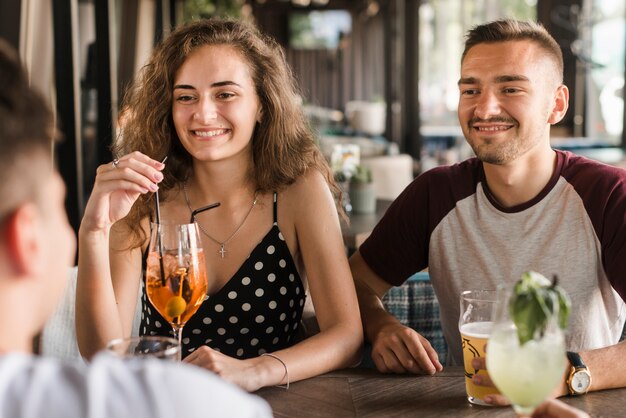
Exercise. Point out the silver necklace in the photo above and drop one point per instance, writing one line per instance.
(222, 251)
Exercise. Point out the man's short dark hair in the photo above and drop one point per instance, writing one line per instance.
(26, 129)
(514, 30)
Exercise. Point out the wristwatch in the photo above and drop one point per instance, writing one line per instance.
(579, 379)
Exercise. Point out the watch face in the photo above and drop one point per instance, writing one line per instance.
(581, 382)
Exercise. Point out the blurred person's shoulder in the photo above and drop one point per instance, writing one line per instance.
(175, 389)
(47, 387)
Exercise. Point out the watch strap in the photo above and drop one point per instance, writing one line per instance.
(576, 360)
(578, 367)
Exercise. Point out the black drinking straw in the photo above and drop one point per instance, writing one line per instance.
(202, 209)
(158, 222)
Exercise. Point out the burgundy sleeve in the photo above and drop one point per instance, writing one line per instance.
(603, 191)
(398, 245)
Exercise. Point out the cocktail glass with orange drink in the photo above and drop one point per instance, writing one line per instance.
(176, 278)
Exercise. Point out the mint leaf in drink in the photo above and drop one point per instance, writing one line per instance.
(534, 302)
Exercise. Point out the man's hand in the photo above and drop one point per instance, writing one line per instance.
(480, 363)
(399, 349)
(395, 348)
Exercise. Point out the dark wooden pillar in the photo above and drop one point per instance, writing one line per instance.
(126, 53)
(10, 11)
(103, 77)
(623, 144)
(68, 156)
(395, 69)
(412, 138)
(550, 13)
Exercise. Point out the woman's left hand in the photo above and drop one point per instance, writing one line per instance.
(239, 372)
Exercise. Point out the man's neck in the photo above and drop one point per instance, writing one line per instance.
(15, 347)
(18, 324)
(521, 180)
(14, 339)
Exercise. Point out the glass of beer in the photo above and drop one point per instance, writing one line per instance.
(475, 324)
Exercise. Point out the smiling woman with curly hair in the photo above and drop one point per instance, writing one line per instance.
(218, 99)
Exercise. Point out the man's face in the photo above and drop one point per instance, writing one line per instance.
(508, 94)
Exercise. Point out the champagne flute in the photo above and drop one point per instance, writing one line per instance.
(176, 278)
(525, 372)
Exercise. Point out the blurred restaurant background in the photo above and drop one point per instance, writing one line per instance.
(378, 74)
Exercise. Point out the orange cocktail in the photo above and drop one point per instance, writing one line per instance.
(176, 278)
(183, 288)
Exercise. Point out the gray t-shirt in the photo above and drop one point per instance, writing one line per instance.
(32, 387)
(448, 221)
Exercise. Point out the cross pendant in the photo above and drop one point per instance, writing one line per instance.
(222, 251)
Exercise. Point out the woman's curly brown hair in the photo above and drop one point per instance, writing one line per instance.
(283, 144)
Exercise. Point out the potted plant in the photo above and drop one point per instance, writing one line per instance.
(343, 182)
(362, 193)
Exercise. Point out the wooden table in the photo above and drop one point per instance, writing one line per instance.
(367, 393)
(361, 225)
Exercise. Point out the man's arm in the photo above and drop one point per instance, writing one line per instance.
(606, 366)
(395, 347)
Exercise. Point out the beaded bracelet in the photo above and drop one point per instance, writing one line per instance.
(286, 375)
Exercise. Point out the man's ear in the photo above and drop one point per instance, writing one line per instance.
(23, 239)
(561, 103)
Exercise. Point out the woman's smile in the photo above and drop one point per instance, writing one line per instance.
(204, 133)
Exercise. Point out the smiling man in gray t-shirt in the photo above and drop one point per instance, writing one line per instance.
(518, 206)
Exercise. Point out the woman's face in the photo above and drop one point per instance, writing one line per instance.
(215, 106)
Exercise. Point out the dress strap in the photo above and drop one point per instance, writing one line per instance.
(275, 208)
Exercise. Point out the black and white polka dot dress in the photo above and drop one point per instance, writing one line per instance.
(258, 310)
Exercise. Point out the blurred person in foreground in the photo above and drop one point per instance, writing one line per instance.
(37, 245)
(519, 205)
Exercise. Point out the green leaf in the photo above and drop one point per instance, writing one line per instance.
(534, 302)
(565, 306)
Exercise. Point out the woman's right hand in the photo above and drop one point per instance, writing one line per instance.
(117, 187)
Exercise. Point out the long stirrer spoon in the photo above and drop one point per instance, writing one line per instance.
(158, 221)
